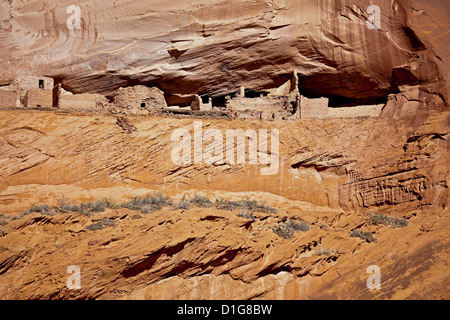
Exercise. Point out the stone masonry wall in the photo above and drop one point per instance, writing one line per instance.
(8, 99)
(37, 98)
(313, 108)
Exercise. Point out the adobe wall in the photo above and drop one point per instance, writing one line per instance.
(197, 104)
(133, 97)
(32, 82)
(269, 103)
(84, 102)
(37, 98)
(313, 108)
(355, 112)
(8, 99)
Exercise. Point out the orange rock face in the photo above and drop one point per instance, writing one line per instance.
(187, 47)
(349, 193)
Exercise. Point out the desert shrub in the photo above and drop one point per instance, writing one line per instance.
(255, 206)
(381, 219)
(65, 207)
(110, 202)
(182, 204)
(324, 252)
(136, 216)
(283, 231)
(365, 235)
(97, 206)
(148, 202)
(298, 226)
(84, 208)
(246, 214)
(2, 232)
(250, 205)
(201, 201)
(223, 204)
(78, 208)
(101, 224)
(44, 209)
(287, 229)
(3, 220)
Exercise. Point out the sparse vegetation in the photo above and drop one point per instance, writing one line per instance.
(287, 229)
(182, 204)
(2, 232)
(110, 202)
(381, 219)
(365, 235)
(325, 252)
(101, 224)
(154, 202)
(148, 202)
(65, 207)
(251, 205)
(246, 214)
(201, 201)
(3, 220)
(44, 209)
(84, 208)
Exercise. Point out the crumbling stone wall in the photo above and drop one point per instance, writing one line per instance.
(197, 104)
(31, 91)
(265, 108)
(140, 97)
(273, 103)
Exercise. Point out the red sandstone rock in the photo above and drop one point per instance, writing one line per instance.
(191, 47)
(334, 173)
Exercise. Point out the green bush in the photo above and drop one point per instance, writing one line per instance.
(365, 235)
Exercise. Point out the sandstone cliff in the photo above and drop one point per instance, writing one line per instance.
(187, 47)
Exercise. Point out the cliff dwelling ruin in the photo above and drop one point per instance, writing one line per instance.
(282, 103)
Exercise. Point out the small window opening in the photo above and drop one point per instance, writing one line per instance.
(143, 105)
(41, 84)
(205, 99)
